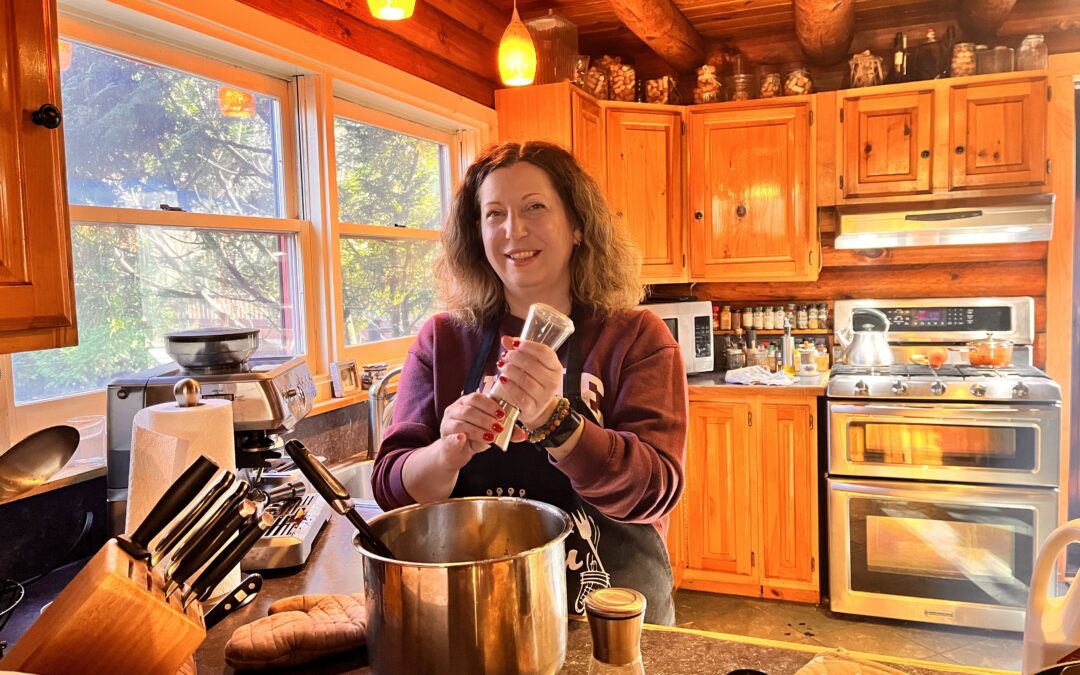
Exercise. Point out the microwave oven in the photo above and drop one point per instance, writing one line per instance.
(691, 325)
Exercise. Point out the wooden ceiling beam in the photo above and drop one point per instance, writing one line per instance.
(662, 26)
(825, 29)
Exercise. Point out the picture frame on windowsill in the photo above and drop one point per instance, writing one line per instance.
(344, 379)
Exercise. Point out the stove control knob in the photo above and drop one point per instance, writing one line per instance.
(978, 390)
(899, 387)
(862, 389)
(1020, 390)
(937, 388)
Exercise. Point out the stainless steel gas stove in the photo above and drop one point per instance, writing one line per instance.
(942, 483)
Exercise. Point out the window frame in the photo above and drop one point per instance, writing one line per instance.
(392, 350)
(25, 418)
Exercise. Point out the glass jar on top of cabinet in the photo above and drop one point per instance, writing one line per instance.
(963, 59)
(1032, 53)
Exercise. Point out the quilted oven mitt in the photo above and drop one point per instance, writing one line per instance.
(299, 629)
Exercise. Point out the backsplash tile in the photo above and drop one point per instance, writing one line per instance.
(337, 434)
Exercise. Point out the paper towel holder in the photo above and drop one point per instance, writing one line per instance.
(187, 392)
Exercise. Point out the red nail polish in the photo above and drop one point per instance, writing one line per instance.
(503, 379)
(489, 437)
(497, 428)
(500, 414)
(500, 364)
(517, 342)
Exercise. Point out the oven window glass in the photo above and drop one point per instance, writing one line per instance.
(984, 447)
(941, 551)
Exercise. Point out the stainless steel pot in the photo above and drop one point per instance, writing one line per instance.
(479, 587)
(868, 345)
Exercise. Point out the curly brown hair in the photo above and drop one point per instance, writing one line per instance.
(604, 269)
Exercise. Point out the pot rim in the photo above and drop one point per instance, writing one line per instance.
(539, 505)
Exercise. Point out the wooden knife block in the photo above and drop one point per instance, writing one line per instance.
(111, 618)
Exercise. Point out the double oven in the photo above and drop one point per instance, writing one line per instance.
(942, 483)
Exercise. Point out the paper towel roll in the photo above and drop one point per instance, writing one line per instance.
(165, 440)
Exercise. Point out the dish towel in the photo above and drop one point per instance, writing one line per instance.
(298, 630)
(758, 375)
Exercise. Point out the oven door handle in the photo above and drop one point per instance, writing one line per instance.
(898, 410)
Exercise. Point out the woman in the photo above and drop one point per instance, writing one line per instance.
(605, 441)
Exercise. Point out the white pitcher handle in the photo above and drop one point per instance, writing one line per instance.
(1055, 544)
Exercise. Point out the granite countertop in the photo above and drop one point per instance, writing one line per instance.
(334, 567)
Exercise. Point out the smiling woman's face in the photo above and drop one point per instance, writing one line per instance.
(528, 236)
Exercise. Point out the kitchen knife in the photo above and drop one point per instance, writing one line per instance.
(217, 513)
(209, 542)
(178, 495)
(285, 491)
(237, 598)
(335, 494)
(220, 566)
(183, 526)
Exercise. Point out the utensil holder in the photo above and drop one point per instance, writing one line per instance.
(112, 617)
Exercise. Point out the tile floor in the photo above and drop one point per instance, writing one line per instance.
(808, 624)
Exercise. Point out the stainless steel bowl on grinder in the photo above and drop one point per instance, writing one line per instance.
(478, 586)
(867, 345)
(207, 349)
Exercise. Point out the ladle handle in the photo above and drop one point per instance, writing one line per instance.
(335, 494)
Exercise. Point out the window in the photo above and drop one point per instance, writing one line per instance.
(393, 190)
(178, 188)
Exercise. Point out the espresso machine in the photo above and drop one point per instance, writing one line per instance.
(269, 394)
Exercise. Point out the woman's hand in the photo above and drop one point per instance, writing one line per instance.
(529, 377)
(469, 425)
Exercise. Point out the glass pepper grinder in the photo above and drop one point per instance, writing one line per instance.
(615, 618)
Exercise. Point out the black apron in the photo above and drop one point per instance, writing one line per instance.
(601, 552)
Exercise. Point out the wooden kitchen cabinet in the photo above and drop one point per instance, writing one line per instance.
(887, 144)
(751, 188)
(751, 504)
(997, 134)
(37, 300)
(558, 112)
(644, 184)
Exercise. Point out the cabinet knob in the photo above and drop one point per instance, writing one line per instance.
(868, 149)
(924, 154)
(47, 116)
(618, 214)
(698, 215)
(740, 211)
(959, 149)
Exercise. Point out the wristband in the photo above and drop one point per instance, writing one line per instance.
(557, 416)
(561, 434)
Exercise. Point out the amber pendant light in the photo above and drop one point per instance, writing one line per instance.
(517, 55)
(391, 10)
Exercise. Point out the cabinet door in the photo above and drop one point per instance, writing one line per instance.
(720, 509)
(753, 216)
(588, 134)
(786, 440)
(644, 165)
(887, 142)
(998, 135)
(37, 304)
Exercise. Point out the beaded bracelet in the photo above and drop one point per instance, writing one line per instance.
(552, 423)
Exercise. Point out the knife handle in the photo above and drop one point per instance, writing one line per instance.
(173, 537)
(211, 541)
(250, 585)
(178, 495)
(219, 567)
(218, 513)
(325, 483)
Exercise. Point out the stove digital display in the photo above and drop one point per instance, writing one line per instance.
(938, 319)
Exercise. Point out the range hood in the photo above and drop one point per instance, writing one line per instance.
(1001, 220)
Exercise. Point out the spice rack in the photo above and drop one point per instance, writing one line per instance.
(794, 331)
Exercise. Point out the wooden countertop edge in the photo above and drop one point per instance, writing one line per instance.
(63, 478)
(816, 649)
(708, 392)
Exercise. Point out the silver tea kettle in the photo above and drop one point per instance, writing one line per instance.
(868, 344)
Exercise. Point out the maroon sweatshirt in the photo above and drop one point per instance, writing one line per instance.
(629, 460)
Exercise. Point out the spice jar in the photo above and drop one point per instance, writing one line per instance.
(759, 319)
(811, 317)
(802, 318)
(1032, 53)
(823, 316)
(770, 358)
(963, 59)
(822, 359)
(623, 82)
(725, 318)
(748, 317)
(740, 87)
(708, 89)
(798, 81)
(767, 315)
(778, 317)
(769, 83)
